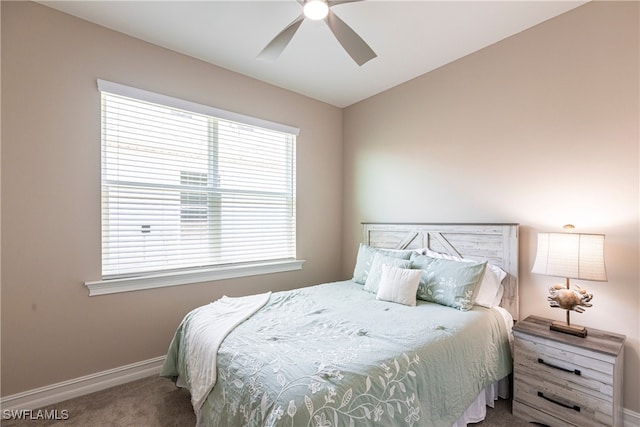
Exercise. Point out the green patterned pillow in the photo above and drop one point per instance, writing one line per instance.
(448, 282)
(365, 259)
(375, 274)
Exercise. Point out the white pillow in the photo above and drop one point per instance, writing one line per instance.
(498, 298)
(399, 285)
(375, 273)
(491, 288)
(490, 291)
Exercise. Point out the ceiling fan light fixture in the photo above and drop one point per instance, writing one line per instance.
(315, 9)
(350, 41)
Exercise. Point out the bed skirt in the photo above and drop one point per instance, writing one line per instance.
(477, 411)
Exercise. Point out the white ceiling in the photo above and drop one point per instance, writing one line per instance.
(409, 37)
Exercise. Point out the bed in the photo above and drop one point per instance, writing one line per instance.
(352, 354)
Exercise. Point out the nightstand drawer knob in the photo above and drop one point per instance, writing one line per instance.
(564, 405)
(573, 371)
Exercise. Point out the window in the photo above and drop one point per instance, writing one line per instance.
(189, 192)
(194, 204)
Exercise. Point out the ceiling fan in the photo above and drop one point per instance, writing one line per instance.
(352, 43)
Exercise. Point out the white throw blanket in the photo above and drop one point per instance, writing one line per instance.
(206, 329)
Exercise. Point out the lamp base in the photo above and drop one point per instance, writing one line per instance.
(579, 331)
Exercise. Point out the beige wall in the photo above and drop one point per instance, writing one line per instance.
(539, 129)
(51, 329)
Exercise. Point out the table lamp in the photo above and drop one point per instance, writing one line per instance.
(572, 256)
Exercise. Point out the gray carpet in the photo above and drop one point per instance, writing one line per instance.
(156, 402)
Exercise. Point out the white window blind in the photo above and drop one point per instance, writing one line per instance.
(186, 186)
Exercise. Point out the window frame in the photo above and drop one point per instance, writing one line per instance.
(158, 279)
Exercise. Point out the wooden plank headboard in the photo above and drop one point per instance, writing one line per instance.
(495, 243)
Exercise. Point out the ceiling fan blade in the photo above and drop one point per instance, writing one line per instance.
(332, 3)
(357, 48)
(275, 47)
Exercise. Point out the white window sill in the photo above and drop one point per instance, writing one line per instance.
(113, 286)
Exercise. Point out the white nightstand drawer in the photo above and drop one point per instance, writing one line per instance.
(570, 405)
(529, 413)
(575, 371)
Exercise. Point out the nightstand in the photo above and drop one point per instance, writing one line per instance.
(563, 380)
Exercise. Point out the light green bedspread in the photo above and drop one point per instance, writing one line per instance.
(333, 355)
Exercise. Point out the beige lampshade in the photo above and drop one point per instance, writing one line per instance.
(576, 256)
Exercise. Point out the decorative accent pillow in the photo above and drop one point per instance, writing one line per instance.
(448, 282)
(490, 290)
(375, 274)
(398, 285)
(365, 259)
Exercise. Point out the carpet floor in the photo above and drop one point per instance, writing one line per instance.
(157, 402)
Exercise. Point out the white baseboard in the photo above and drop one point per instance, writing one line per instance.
(630, 418)
(55, 393)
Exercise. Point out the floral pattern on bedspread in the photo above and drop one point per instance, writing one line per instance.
(332, 355)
